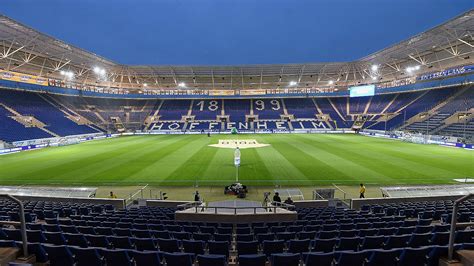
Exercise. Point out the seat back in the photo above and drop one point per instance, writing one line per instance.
(285, 259)
(212, 260)
(252, 260)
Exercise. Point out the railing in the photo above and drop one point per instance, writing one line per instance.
(132, 197)
(344, 193)
(283, 205)
(454, 219)
(22, 223)
(189, 205)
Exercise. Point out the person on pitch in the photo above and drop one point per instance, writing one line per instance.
(276, 197)
(362, 191)
(112, 195)
(196, 196)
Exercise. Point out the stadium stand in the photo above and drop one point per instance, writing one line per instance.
(66, 233)
(429, 112)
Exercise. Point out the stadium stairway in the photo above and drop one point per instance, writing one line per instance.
(428, 125)
(432, 118)
(35, 122)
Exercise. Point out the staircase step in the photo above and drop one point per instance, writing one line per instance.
(445, 262)
(466, 256)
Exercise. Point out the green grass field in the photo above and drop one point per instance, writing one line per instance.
(290, 160)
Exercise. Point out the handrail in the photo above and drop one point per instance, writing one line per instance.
(24, 239)
(340, 189)
(283, 205)
(454, 220)
(188, 205)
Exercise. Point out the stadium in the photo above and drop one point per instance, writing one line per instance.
(103, 163)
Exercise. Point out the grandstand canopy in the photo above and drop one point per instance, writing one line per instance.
(25, 50)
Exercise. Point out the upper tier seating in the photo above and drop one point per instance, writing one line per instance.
(301, 108)
(11, 130)
(342, 111)
(173, 110)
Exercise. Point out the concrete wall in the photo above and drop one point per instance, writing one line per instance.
(236, 219)
(358, 203)
(311, 203)
(166, 203)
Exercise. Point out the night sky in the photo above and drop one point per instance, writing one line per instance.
(224, 32)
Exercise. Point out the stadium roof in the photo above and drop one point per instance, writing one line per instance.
(26, 50)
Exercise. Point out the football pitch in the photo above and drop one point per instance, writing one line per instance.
(288, 160)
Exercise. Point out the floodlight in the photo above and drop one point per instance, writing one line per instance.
(182, 84)
(145, 85)
(331, 82)
(293, 83)
(375, 67)
(99, 71)
(374, 78)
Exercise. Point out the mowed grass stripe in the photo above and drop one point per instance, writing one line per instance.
(414, 168)
(339, 158)
(253, 168)
(171, 159)
(365, 157)
(295, 159)
(195, 167)
(434, 160)
(121, 167)
(60, 160)
(279, 159)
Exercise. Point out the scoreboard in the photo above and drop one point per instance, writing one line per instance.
(360, 91)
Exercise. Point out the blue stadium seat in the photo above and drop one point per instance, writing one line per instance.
(146, 258)
(350, 258)
(193, 246)
(59, 255)
(414, 256)
(168, 245)
(397, 241)
(145, 244)
(218, 247)
(247, 247)
(202, 236)
(87, 256)
(212, 260)
(419, 240)
(285, 259)
(383, 257)
(56, 238)
(318, 258)
(252, 260)
(179, 259)
(81, 241)
(324, 245)
(117, 257)
(299, 246)
(349, 243)
(274, 246)
(123, 242)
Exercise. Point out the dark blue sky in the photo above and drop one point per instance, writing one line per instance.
(223, 32)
